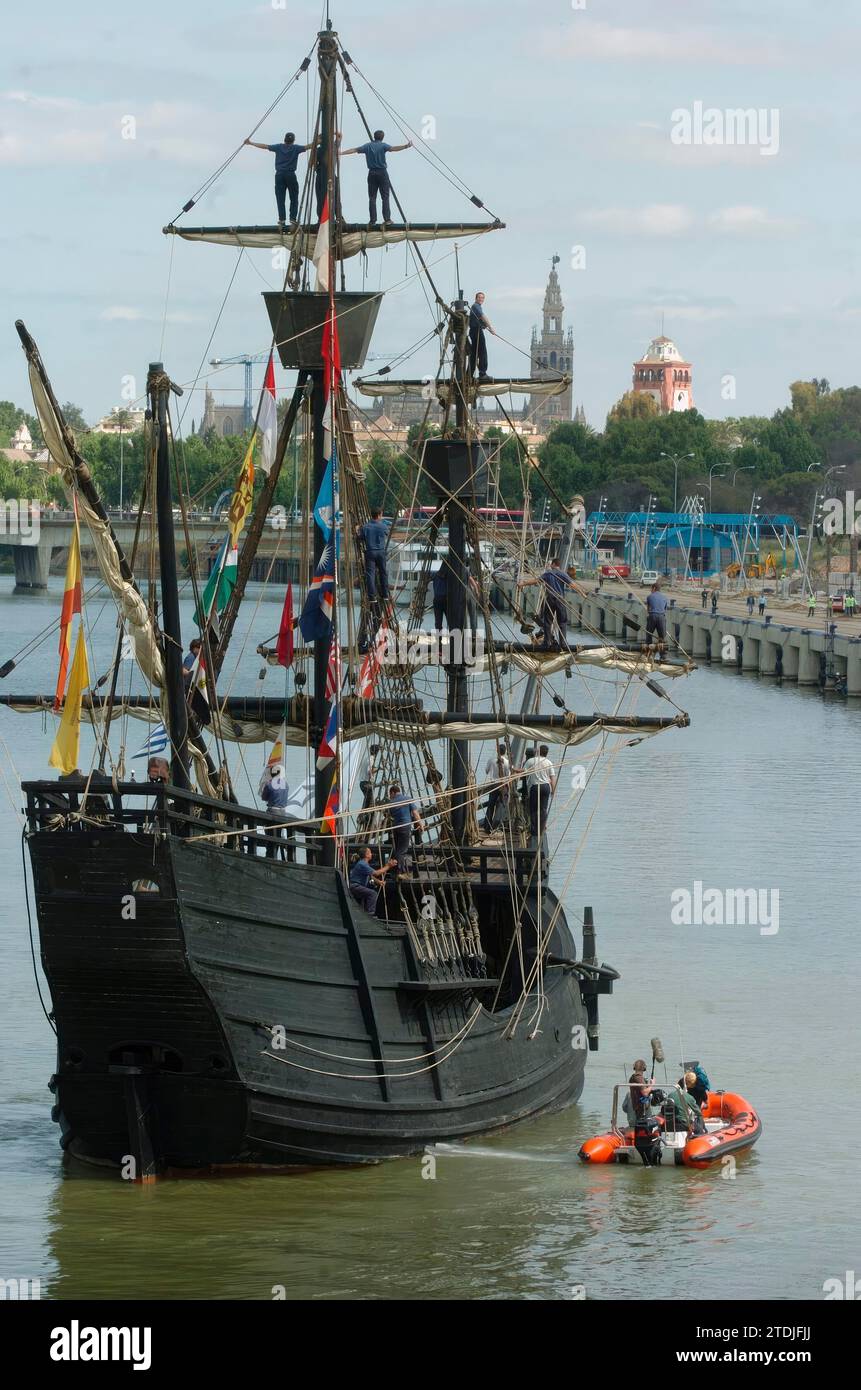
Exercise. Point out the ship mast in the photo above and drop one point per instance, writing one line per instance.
(159, 385)
(327, 186)
(459, 764)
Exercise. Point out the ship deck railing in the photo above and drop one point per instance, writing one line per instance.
(160, 808)
(156, 808)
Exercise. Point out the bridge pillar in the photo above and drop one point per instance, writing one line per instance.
(699, 641)
(853, 668)
(790, 662)
(32, 563)
(750, 653)
(808, 664)
(768, 657)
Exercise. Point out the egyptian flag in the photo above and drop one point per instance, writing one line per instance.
(372, 663)
(267, 419)
(284, 646)
(328, 750)
(315, 621)
(71, 606)
(320, 255)
(64, 751)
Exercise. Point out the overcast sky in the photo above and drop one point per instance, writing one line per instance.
(562, 116)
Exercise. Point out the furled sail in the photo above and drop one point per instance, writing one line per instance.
(131, 604)
(354, 237)
(246, 720)
(492, 386)
(424, 649)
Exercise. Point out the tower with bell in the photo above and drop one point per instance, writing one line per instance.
(552, 351)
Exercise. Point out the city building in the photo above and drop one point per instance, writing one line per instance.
(552, 351)
(120, 421)
(663, 374)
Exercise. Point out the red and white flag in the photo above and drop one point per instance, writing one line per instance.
(267, 419)
(321, 250)
(333, 670)
(372, 663)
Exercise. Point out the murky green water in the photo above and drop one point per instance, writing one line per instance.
(760, 792)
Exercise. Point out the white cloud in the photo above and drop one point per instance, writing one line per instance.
(34, 133)
(598, 41)
(655, 219)
(125, 313)
(744, 218)
(676, 219)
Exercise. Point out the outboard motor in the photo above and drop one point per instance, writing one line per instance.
(647, 1140)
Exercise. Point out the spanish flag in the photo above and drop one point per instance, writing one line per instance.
(64, 752)
(71, 606)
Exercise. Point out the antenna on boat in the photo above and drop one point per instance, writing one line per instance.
(681, 1049)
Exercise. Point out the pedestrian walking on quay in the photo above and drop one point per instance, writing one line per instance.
(762, 602)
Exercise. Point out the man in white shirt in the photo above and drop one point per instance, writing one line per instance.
(499, 769)
(541, 779)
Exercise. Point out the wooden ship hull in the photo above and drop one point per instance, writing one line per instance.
(166, 1049)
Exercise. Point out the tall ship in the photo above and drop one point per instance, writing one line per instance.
(221, 996)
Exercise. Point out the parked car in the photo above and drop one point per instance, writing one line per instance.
(648, 578)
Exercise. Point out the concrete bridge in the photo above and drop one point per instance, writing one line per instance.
(778, 645)
(41, 548)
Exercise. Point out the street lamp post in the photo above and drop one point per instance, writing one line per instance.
(720, 475)
(675, 460)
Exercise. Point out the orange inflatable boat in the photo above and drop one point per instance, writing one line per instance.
(731, 1123)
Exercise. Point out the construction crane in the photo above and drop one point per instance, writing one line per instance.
(248, 360)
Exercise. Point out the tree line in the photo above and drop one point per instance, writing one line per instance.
(783, 458)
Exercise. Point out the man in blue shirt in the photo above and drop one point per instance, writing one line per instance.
(375, 152)
(555, 585)
(374, 535)
(363, 876)
(439, 584)
(286, 154)
(403, 813)
(656, 614)
(479, 323)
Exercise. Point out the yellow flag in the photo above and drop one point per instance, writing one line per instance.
(64, 752)
(240, 504)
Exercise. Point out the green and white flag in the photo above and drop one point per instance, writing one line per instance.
(219, 585)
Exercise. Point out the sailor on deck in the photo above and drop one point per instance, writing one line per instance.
(375, 152)
(555, 583)
(286, 154)
(479, 323)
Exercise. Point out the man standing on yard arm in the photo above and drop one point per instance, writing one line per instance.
(656, 614)
(375, 152)
(541, 776)
(286, 154)
(479, 323)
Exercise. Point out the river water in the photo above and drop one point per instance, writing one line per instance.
(760, 792)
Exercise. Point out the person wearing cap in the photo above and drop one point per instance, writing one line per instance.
(275, 793)
(636, 1103)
